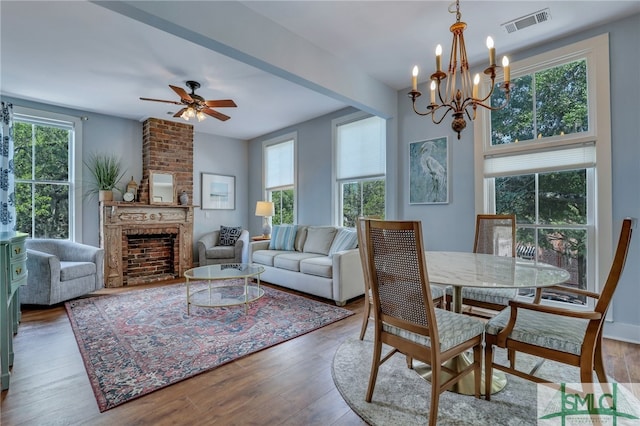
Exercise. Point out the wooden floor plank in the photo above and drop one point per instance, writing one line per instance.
(289, 383)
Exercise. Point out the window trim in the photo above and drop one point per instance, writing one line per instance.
(275, 141)
(76, 189)
(596, 50)
(336, 190)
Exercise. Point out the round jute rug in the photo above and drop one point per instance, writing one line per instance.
(401, 396)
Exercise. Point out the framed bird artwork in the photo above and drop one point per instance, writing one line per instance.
(429, 171)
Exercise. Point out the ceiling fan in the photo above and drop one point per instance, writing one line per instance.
(196, 105)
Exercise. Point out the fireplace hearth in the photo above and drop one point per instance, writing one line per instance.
(145, 243)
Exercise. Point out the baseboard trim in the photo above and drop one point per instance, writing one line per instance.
(621, 331)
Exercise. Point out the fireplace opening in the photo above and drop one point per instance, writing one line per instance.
(149, 257)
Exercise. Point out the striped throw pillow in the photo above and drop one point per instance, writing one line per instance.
(345, 239)
(283, 237)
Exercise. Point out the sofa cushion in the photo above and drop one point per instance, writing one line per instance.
(73, 270)
(319, 239)
(265, 257)
(291, 260)
(229, 235)
(301, 237)
(345, 239)
(321, 266)
(220, 252)
(283, 237)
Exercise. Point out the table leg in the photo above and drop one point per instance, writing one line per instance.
(188, 301)
(466, 385)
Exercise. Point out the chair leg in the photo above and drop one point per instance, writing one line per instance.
(365, 318)
(435, 394)
(488, 370)
(477, 372)
(599, 365)
(375, 364)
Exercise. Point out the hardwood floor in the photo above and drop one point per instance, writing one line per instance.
(288, 384)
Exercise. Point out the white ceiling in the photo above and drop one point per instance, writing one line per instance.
(80, 55)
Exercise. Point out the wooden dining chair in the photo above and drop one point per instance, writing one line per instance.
(565, 335)
(495, 234)
(437, 292)
(405, 317)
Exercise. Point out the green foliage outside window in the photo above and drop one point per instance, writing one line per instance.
(547, 103)
(362, 198)
(283, 202)
(551, 208)
(41, 162)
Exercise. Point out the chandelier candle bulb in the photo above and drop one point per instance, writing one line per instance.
(492, 52)
(476, 82)
(414, 78)
(438, 57)
(507, 71)
(433, 92)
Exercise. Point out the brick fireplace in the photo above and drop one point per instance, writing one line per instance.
(145, 243)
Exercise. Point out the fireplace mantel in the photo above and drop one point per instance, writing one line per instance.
(118, 219)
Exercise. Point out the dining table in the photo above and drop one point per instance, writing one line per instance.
(464, 269)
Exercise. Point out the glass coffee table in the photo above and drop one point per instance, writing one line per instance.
(224, 294)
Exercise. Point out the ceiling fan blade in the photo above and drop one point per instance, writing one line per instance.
(216, 114)
(221, 103)
(182, 93)
(179, 113)
(161, 100)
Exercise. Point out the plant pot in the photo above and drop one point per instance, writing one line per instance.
(105, 195)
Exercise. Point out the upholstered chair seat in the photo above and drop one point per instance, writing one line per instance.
(60, 270)
(215, 247)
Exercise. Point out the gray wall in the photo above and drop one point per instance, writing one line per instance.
(446, 227)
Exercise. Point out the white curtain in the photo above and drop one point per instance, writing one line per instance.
(7, 187)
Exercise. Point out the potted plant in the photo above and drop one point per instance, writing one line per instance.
(107, 172)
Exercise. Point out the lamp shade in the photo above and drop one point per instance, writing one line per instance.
(265, 209)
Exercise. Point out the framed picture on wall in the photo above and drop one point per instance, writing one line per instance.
(218, 192)
(429, 171)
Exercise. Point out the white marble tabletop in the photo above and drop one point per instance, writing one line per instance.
(460, 269)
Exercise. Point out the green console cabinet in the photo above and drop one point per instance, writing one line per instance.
(13, 274)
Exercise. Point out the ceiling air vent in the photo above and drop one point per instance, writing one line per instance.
(528, 20)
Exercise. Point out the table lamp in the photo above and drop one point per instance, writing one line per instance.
(266, 210)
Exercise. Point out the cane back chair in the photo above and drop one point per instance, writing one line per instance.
(495, 234)
(437, 292)
(405, 317)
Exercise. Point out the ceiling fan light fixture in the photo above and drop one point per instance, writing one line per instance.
(201, 115)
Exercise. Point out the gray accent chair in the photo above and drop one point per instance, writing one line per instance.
(60, 270)
(211, 253)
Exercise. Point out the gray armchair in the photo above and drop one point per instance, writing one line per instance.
(59, 270)
(211, 253)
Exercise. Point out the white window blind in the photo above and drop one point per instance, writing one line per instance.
(572, 157)
(361, 148)
(279, 160)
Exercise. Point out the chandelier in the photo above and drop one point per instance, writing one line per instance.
(459, 94)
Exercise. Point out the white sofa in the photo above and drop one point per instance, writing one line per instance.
(319, 260)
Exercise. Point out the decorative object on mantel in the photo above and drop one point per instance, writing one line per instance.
(106, 170)
(153, 341)
(266, 210)
(132, 188)
(459, 96)
(184, 198)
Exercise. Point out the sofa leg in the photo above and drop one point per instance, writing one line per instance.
(340, 303)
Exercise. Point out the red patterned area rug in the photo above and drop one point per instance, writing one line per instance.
(135, 343)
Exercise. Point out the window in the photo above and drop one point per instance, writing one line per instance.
(45, 191)
(279, 167)
(360, 147)
(546, 158)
